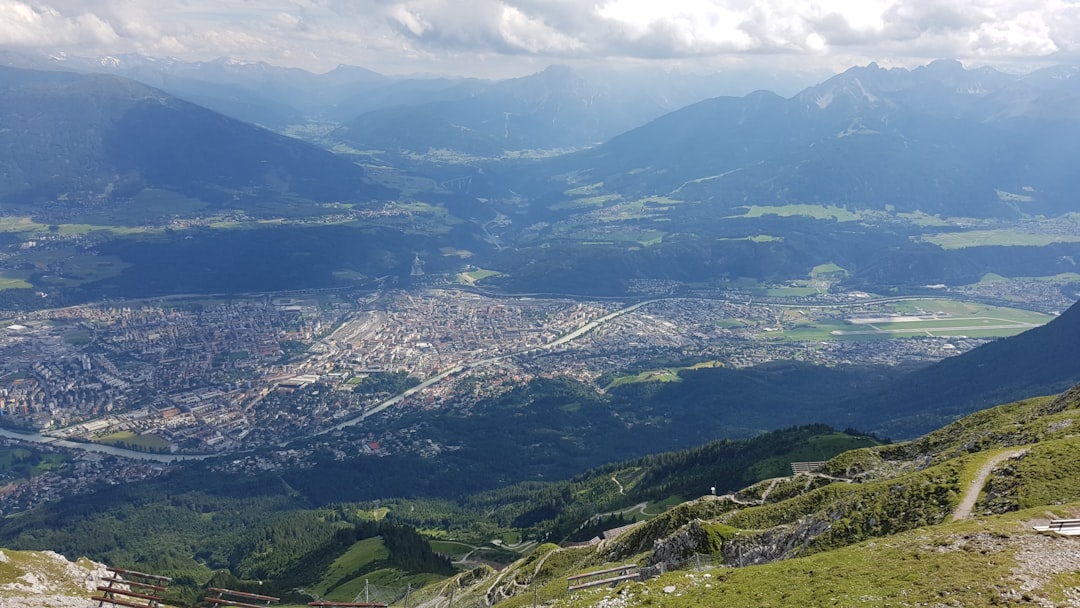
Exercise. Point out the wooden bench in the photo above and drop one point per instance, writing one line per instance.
(625, 572)
(1065, 526)
(224, 598)
(137, 593)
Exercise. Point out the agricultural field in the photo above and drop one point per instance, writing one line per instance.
(820, 212)
(452, 549)
(756, 238)
(1034, 232)
(359, 555)
(11, 282)
(1065, 277)
(667, 374)
(828, 270)
(1004, 237)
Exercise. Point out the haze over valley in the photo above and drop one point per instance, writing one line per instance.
(424, 325)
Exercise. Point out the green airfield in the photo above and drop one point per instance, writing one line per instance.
(915, 318)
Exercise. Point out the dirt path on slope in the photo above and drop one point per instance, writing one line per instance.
(963, 510)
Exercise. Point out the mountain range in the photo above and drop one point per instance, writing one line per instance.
(557, 107)
(75, 136)
(937, 139)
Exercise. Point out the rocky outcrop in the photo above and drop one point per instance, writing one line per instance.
(682, 545)
(32, 579)
(644, 537)
(780, 542)
(739, 549)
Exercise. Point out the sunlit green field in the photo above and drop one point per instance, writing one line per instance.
(666, 374)
(10, 282)
(478, 275)
(127, 438)
(1003, 237)
(453, 550)
(821, 212)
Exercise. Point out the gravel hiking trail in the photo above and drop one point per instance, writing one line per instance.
(963, 510)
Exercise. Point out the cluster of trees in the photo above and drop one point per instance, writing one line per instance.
(389, 382)
(199, 527)
(555, 510)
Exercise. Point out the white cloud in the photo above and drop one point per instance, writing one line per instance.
(429, 34)
(31, 24)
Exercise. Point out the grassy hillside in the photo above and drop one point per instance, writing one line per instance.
(986, 562)
(883, 525)
(237, 529)
(366, 565)
(552, 511)
(944, 517)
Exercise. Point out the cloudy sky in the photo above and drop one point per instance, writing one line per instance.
(511, 37)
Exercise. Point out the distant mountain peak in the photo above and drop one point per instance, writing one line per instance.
(949, 66)
(556, 69)
(941, 86)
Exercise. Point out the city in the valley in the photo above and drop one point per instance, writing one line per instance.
(160, 380)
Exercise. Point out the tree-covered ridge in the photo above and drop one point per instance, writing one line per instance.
(724, 465)
(193, 523)
(201, 529)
